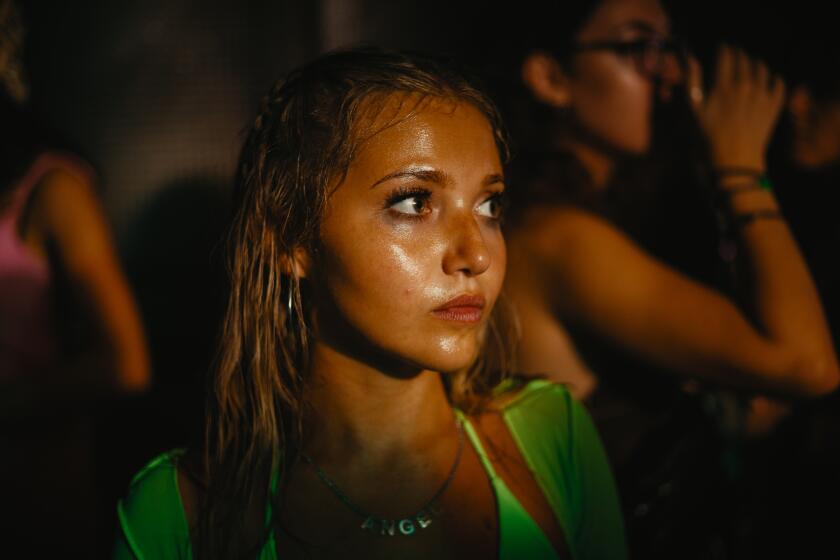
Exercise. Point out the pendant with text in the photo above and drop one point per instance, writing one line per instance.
(393, 527)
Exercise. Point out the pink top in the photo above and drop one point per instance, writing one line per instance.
(27, 338)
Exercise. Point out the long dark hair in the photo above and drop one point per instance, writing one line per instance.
(305, 136)
(542, 173)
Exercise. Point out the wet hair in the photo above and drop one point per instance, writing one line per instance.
(499, 39)
(554, 26)
(538, 167)
(310, 127)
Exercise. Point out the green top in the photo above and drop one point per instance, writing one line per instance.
(553, 432)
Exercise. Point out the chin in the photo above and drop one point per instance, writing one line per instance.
(455, 355)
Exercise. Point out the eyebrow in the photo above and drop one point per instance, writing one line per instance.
(492, 179)
(640, 25)
(433, 176)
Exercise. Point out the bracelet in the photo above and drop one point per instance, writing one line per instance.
(758, 183)
(745, 219)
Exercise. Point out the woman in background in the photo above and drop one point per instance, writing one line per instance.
(70, 332)
(627, 330)
(55, 242)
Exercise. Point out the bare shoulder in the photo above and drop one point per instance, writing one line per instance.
(63, 201)
(61, 189)
(67, 210)
(554, 229)
(578, 255)
(573, 249)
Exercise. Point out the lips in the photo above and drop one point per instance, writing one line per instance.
(466, 308)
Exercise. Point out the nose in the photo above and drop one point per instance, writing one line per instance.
(466, 250)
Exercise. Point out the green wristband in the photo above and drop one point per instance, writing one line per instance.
(765, 184)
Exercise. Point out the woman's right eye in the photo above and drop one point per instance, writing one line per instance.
(414, 204)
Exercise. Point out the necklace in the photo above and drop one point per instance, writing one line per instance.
(406, 526)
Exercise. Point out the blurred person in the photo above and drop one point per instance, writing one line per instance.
(54, 230)
(628, 331)
(70, 332)
(359, 407)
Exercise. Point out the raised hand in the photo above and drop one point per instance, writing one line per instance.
(739, 113)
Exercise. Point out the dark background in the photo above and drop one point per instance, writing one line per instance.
(156, 94)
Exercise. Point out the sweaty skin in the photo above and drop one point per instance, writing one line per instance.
(413, 226)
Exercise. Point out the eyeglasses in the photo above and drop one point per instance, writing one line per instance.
(650, 56)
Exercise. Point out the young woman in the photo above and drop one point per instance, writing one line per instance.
(355, 409)
(577, 270)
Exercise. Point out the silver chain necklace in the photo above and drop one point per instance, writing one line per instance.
(406, 526)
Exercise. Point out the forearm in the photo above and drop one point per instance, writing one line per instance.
(786, 302)
(123, 333)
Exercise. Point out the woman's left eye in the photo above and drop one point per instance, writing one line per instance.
(492, 207)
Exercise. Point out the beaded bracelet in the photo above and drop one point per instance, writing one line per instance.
(760, 184)
(757, 180)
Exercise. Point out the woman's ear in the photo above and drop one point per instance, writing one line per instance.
(543, 75)
(298, 263)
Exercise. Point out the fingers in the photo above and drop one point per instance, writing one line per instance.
(736, 68)
(770, 84)
(741, 67)
(765, 85)
(777, 89)
(762, 74)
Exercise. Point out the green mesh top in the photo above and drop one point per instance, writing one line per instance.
(553, 432)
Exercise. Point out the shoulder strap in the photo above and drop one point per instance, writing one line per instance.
(476, 443)
(41, 166)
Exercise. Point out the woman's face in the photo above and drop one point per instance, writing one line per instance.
(411, 257)
(610, 94)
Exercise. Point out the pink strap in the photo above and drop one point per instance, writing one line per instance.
(43, 164)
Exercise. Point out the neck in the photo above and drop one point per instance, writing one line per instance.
(598, 164)
(361, 413)
(596, 159)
